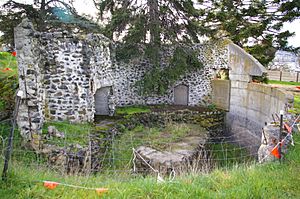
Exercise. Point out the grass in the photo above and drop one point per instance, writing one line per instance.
(151, 137)
(74, 133)
(284, 83)
(129, 110)
(227, 155)
(296, 108)
(272, 180)
(297, 103)
(8, 61)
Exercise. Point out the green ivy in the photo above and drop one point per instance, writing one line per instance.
(158, 80)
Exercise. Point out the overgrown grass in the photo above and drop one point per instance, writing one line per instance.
(223, 154)
(296, 108)
(272, 180)
(153, 137)
(8, 80)
(284, 83)
(129, 110)
(74, 133)
(227, 154)
(297, 103)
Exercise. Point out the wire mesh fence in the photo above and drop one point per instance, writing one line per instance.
(97, 152)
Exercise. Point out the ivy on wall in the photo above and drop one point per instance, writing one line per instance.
(158, 80)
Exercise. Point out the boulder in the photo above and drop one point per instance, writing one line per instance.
(53, 132)
(180, 157)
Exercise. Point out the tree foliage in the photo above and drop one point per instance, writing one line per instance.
(152, 23)
(254, 25)
(45, 14)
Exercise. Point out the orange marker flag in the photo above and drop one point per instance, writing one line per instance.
(50, 185)
(14, 53)
(275, 152)
(101, 191)
(288, 128)
(6, 69)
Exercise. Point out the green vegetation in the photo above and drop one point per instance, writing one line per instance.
(296, 108)
(284, 83)
(297, 103)
(152, 137)
(8, 80)
(261, 79)
(271, 180)
(74, 133)
(227, 155)
(157, 80)
(129, 110)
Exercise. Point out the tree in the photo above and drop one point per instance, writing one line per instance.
(45, 14)
(253, 25)
(152, 23)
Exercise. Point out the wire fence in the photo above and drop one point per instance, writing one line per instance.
(115, 154)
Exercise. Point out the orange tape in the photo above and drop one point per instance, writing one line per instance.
(101, 191)
(288, 128)
(50, 185)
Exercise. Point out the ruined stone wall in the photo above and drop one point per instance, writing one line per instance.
(30, 115)
(214, 56)
(59, 73)
(74, 69)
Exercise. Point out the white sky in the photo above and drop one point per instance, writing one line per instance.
(87, 7)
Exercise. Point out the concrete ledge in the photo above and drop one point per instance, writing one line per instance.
(243, 62)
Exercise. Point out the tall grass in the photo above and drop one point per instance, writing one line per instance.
(272, 180)
(8, 80)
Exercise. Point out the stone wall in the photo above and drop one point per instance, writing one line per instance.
(214, 57)
(251, 104)
(30, 116)
(60, 73)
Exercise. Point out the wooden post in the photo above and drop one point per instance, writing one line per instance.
(297, 77)
(280, 76)
(10, 140)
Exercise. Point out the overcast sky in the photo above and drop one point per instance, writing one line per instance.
(87, 7)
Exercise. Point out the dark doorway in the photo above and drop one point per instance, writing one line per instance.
(101, 101)
(181, 95)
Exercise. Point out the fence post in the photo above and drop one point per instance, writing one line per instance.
(10, 140)
(280, 135)
(280, 76)
(297, 77)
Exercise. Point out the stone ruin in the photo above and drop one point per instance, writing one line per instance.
(68, 76)
(65, 76)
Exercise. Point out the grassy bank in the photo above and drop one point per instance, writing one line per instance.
(8, 80)
(284, 83)
(273, 180)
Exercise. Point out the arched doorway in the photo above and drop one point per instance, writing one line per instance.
(101, 101)
(181, 95)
